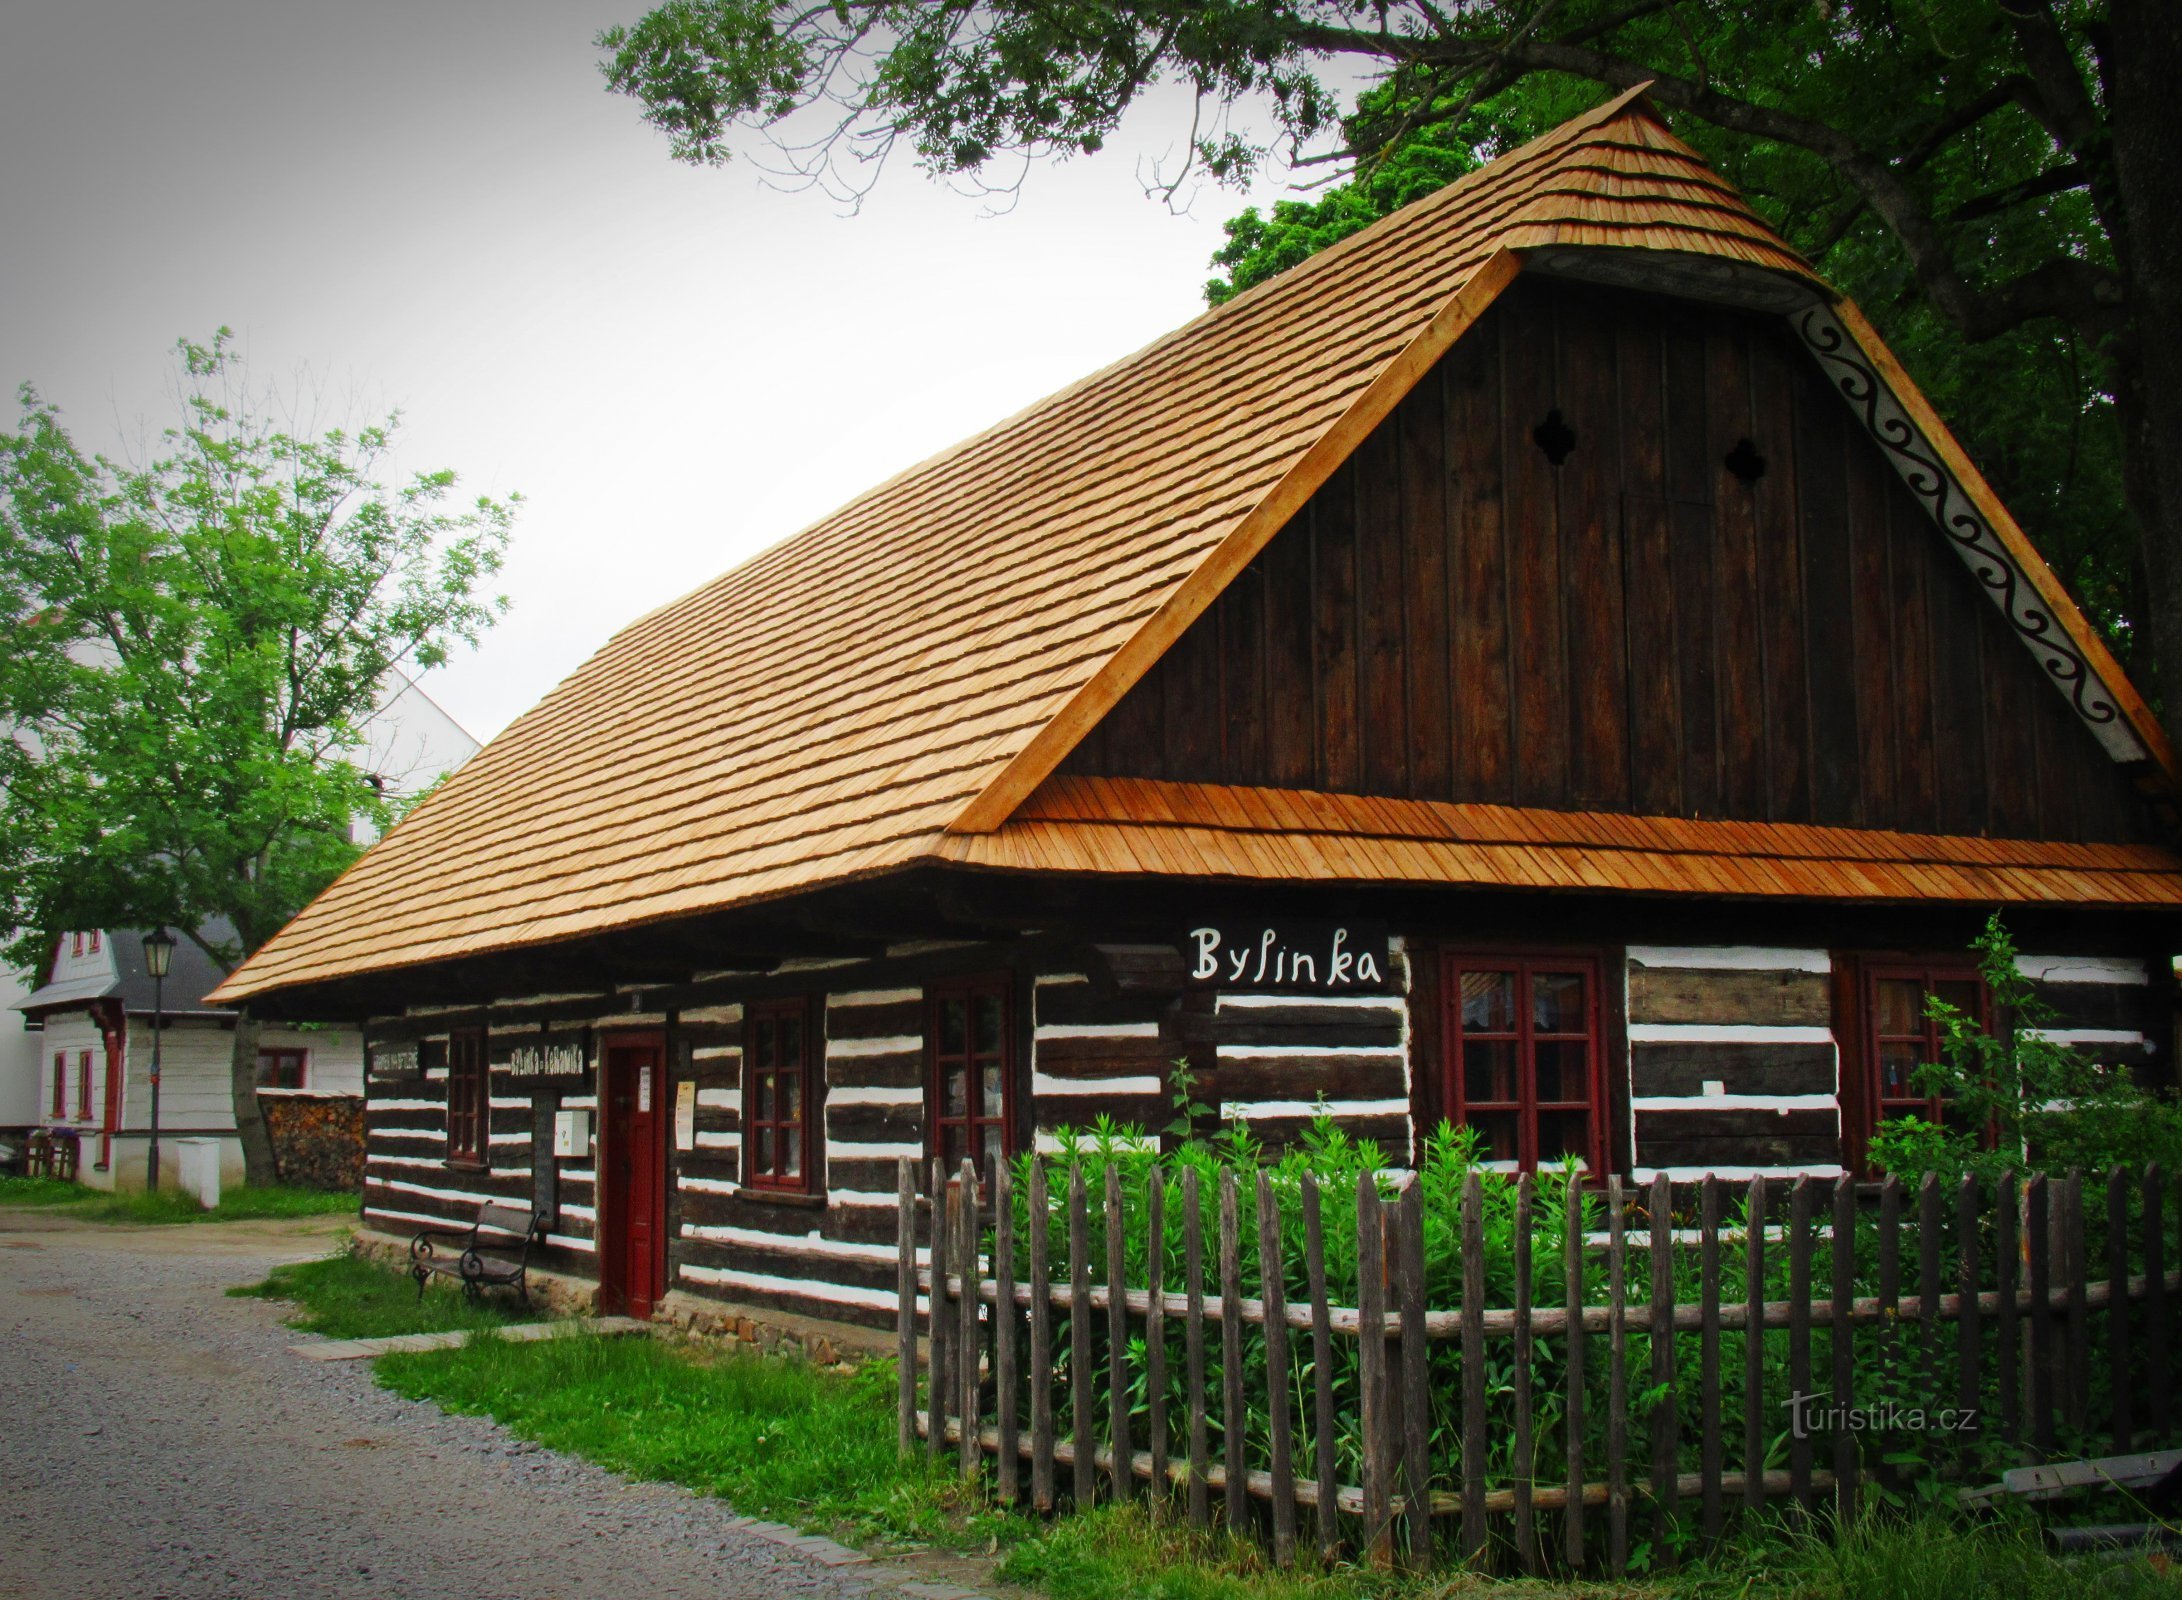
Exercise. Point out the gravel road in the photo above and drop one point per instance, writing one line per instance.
(158, 1439)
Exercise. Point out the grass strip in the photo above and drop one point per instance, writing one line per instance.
(144, 1207)
(795, 1443)
(350, 1297)
(777, 1439)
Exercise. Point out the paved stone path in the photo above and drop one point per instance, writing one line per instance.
(159, 1441)
(365, 1349)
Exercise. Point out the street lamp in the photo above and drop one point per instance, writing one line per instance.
(158, 956)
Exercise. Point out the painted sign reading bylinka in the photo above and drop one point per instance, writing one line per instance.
(1290, 957)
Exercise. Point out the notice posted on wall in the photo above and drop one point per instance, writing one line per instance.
(685, 1115)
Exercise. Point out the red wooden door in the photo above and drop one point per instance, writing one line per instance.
(633, 1174)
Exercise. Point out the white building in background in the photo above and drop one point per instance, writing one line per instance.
(94, 1015)
(85, 1018)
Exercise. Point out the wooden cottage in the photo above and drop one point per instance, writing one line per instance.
(1539, 664)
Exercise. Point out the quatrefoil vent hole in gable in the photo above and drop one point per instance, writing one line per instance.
(1745, 462)
(1554, 436)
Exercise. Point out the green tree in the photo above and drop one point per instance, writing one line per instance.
(2000, 180)
(192, 645)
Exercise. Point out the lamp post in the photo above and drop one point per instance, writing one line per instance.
(158, 955)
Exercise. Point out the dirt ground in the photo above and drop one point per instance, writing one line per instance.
(158, 1439)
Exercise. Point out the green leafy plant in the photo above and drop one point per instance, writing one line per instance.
(2018, 1097)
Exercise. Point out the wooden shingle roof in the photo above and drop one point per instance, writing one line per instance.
(903, 674)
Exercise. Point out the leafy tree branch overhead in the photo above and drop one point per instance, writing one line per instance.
(1999, 181)
(192, 648)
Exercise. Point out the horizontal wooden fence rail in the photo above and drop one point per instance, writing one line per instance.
(1260, 1355)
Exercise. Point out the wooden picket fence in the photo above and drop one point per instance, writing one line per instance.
(1399, 1429)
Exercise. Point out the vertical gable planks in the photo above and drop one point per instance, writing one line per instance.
(1651, 617)
(1420, 427)
(1383, 732)
(1822, 427)
(1537, 632)
(1774, 368)
(1691, 469)
(1640, 629)
(1591, 594)
(1739, 643)
(1334, 631)
(1482, 711)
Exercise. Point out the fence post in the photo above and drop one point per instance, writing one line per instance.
(1572, 1263)
(2078, 1238)
(1473, 1367)
(905, 1317)
(1844, 1342)
(1617, 1379)
(1666, 1419)
(2008, 1268)
(1889, 1338)
(2118, 1308)
(1272, 1267)
(1007, 1326)
(1040, 1222)
(1322, 1415)
(1799, 1340)
(1193, 1347)
(1155, 1330)
(2155, 1302)
(1371, 1366)
(966, 1353)
(1234, 1416)
(937, 1399)
(1710, 1450)
(1416, 1383)
(1122, 1475)
(2037, 1238)
(1968, 1281)
(1526, 1446)
(1754, 1429)
(1080, 1365)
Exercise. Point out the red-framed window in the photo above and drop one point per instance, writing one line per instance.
(93, 944)
(969, 1092)
(83, 1086)
(60, 1083)
(469, 1099)
(1898, 1037)
(283, 1068)
(76, 944)
(1524, 1056)
(781, 1075)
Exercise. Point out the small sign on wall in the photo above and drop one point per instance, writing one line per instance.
(1288, 957)
(685, 1115)
(547, 1059)
(400, 1060)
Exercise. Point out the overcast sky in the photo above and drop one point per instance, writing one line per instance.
(438, 206)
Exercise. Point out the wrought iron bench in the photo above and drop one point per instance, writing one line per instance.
(491, 1253)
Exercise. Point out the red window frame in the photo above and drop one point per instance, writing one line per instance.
(782, 1054)
(76, 945)
(469, 1099)
(1522, 1102)
(94, 941)
(60, 1083)
(286, 1063)
(976, 1129)
(83, 1086)
(1878, 1103)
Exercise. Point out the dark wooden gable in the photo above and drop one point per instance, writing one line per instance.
(1642, 628)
